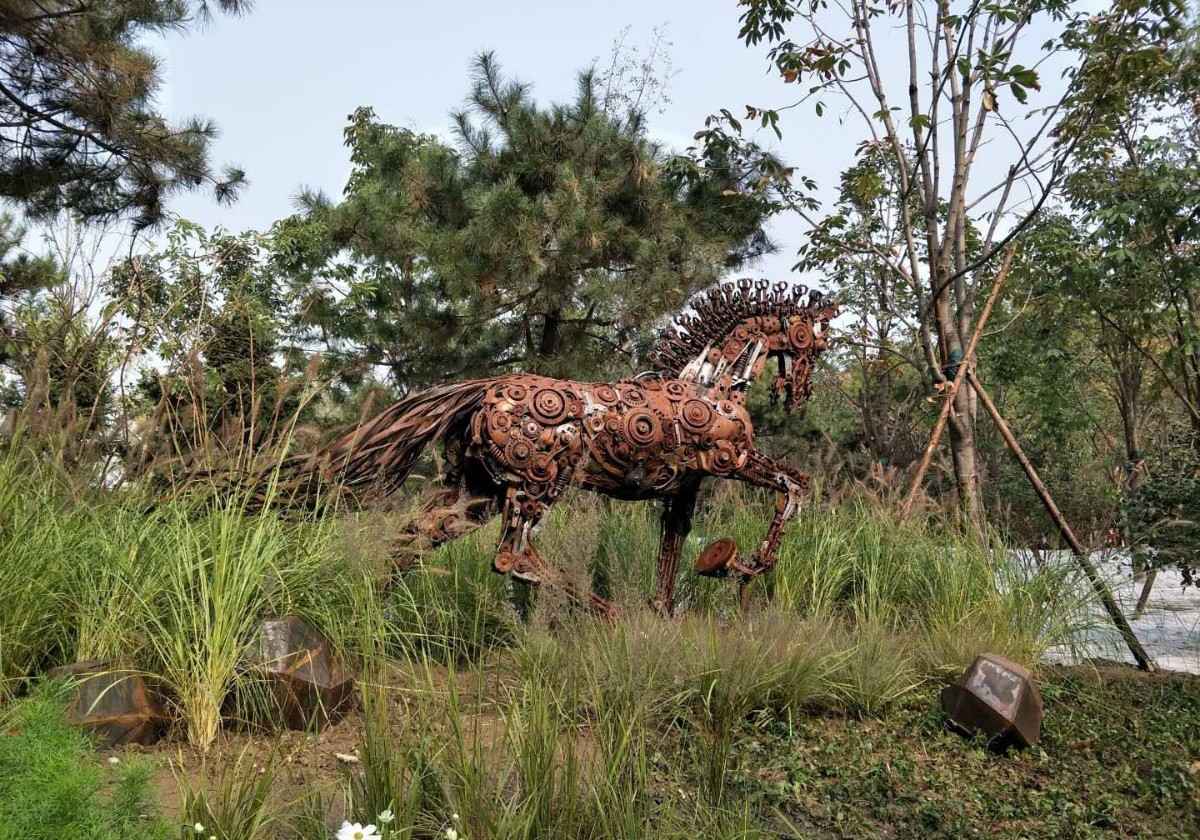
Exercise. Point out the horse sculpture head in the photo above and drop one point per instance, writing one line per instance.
(732, 331)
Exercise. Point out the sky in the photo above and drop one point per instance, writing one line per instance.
(281, 82)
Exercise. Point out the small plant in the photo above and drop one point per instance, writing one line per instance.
(396, 785)
(51, 786)
(237, 807)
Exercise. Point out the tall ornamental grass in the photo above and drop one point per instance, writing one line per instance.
(929, 594)
(951, 594)
(40, 536)
(175, 590)
(217, 572)
(222, 571)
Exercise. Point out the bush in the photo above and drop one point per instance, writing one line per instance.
(1163, 512)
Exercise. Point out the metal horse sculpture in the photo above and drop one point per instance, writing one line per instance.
(514, 443)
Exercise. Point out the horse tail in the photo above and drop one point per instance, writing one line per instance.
(377, 456)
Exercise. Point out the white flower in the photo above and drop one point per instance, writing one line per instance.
(454, 817)
(451, 834)
(198, 828)
(386, 817)
(355, 831)
(113, 760)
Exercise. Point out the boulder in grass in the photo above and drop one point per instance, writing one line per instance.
(305, 684)
(114, 705)
(997, 697)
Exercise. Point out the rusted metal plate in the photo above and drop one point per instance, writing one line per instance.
(717, 557)
(307, 686)
(997, 697)
(114, 705)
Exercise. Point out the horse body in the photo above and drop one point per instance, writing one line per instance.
(515, 443)
(634, 439)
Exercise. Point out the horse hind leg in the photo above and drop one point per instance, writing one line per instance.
(676, 525)
(517, 556)
(445, 514)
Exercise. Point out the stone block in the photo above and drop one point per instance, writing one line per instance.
(115, 705)
(997, 697)
(305, 683)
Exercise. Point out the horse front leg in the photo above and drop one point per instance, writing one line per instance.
(721, 558)
(676, 524)
(792, 486)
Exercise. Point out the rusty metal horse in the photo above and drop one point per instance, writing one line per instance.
(514, 443)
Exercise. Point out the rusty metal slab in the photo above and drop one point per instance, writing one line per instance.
(997, 697)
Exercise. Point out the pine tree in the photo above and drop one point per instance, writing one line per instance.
(546, 238)
(21, 275)
(78, 126)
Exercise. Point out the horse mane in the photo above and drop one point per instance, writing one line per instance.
(716, 311)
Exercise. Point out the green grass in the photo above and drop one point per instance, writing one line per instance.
(1117, 758)
(176, 592)
(38, 531)
(803, 717)
(51, 786)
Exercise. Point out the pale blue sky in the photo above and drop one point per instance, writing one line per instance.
(281, 82)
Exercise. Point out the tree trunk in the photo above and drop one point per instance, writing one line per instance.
(962, 429)
(551, 335)
(966, 461)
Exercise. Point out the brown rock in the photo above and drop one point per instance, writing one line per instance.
(114, 705)
(998, 697)
(307, 686)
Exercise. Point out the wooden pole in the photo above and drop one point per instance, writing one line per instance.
(1114, 612)
(940, 425)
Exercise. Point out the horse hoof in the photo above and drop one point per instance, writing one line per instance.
(718, 558)
(603, 608)
(661, 609)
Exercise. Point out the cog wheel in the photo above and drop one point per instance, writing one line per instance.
(696, 415)
(642, 428)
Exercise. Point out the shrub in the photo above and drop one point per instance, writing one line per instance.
(51, 786)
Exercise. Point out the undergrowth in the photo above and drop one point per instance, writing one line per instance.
(51, 786)
(515, 723)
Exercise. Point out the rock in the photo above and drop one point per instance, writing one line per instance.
(307, 686)
(114, 705)
(997, 697)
